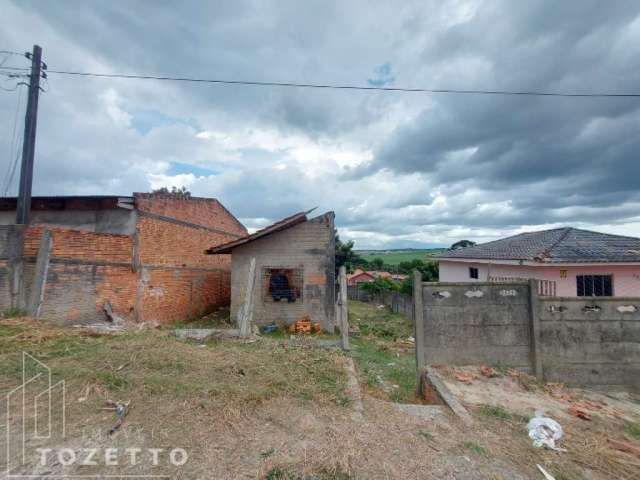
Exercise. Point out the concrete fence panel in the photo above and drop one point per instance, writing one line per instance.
(594, 341)
(589, 341)
(477, 324)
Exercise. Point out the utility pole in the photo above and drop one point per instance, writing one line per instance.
(28, 148)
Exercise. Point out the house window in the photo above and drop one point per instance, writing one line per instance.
(594, 285)
(281, 284)
(473, 272)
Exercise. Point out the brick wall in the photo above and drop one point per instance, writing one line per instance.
(178, 281)
(85, 270)
(181, 294)
(207, 212)
(159, 273)
(76, 293)
(169, 244)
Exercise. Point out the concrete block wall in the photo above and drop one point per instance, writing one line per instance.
(480, 323)
(592, 341)
(7, 239)
(309, 246)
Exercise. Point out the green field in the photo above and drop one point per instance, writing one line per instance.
(394, 257)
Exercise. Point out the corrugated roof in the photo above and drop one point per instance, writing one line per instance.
(283, 224)
(559, 245)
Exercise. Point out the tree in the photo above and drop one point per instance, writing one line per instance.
(345, 254)
(181, 192)
(380, 285)
(429, 272)
(428, 269)
(462, 244)
(377, 263)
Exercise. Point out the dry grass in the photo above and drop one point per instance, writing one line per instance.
(217, 375)
(269, 410)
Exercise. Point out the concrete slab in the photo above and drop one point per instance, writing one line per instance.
(204, 334)
(447, 397)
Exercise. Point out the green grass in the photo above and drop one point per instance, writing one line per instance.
(477, 449)
(112, 380)
(396, 257)
(633, 430)
(500, 413)
(387, 370)
(12, 313)
(379, 323)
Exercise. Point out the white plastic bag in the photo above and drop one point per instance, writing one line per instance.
(544, 431)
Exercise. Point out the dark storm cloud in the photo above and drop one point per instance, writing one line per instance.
(398, 169)
(578, 152)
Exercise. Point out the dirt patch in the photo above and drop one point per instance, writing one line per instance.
(505, 402)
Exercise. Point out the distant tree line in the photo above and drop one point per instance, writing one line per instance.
(345, 255)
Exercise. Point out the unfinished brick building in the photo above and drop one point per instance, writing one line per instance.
(294, 271)
(142, 254)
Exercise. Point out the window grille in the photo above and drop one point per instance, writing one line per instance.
(473, 272)
(281, 284)
(594, 285)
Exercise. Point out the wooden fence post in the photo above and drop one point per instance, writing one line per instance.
(534, 313)
(419, 333)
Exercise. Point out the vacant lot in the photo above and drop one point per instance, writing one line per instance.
(277, 409)
(397, 256)
(384, 352)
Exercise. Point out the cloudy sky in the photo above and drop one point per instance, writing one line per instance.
(399, 169)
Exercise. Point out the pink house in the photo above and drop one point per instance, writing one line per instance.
(569, 262)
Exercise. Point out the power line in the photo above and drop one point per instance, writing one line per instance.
(341, 87)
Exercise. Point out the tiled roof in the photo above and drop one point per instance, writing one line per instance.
(560, 245)
(358, 273)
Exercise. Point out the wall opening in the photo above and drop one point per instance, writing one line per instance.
(594, 285)
(282, 284)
